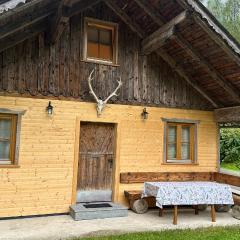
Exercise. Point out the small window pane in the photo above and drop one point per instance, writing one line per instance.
(172, 153)
(92, 50)
(185, 134)
(172, 134)
(105, 37)
(4, 150)
(105, 52)
(185, 152)
(5, 128)
(93, 35)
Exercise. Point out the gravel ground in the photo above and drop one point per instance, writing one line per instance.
(63, 227)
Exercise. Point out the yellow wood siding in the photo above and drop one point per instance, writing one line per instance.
(48, 146)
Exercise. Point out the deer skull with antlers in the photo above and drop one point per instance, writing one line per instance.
(102, 103)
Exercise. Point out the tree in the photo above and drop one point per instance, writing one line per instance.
(230, 146)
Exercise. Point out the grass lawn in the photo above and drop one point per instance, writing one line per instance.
(229, 166)
(215, 233)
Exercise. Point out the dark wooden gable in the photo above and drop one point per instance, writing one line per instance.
(168, 54)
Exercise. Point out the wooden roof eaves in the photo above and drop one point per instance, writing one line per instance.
(227, 86)
(171, 26)
(24, 7)
(11, 26)
(214, 28)
(8, 5)
(125, 18)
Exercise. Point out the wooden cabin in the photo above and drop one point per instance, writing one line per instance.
(173, 65)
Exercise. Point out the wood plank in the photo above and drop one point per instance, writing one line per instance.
(80, 6)
(230, 114)
(22, 35)
(141, 177)
(183, 74)
(151, 11)
(125, 18)
(228, 179)
(158, 38)
(211, 71)
(236, 199)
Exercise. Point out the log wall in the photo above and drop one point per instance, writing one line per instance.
(45, 181)
(35, 69)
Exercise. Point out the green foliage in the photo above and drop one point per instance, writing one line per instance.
(216, 233)
(230, 146)
(227, 12)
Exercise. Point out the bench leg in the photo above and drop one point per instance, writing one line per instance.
(213, 213)
(160, 212)
(175, 215)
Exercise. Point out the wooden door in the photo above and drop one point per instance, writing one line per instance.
(96, 159)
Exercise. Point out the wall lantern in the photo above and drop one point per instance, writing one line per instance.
(144, 114)
(49, 109)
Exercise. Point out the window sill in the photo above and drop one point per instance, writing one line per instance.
(180, 163)
(100, 62)
(9, 166)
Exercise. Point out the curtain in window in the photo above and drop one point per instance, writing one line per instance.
(5, 135)
(172, 142)
(185, 148)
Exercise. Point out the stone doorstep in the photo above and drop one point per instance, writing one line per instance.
(80, 212)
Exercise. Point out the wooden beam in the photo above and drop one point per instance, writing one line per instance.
(156, 39)
(230, 114)
(59, 22)
(80, 6)
(141, 177)
(125, 18)
(151, 11)
(22, 35)
(25, 16)
(211, 70)
(66, 10)
(167, 58)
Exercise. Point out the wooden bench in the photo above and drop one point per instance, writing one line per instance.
(236, 199)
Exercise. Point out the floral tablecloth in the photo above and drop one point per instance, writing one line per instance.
(188, 193)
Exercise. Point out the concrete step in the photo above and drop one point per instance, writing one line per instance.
(97, 210)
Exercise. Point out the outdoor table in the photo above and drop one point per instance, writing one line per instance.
(188, 193)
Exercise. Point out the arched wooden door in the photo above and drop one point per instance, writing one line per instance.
(96, 160)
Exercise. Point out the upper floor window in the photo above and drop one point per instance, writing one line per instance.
(8, 130)
(180, 141)
(100, 41)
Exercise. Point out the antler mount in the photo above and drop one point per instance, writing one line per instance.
(102, 103)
